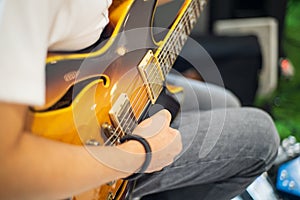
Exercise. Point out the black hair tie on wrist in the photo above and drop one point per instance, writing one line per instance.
(148, 154)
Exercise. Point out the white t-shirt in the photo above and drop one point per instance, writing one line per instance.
(29, 28)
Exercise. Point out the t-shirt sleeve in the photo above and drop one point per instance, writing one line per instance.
(23, 48)
(29, 28)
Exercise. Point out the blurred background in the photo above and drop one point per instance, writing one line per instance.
(256, 47)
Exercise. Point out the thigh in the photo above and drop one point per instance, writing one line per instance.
(232, 145)
(202, 96)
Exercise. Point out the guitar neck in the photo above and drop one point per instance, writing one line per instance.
(155, 67)
(178, 34)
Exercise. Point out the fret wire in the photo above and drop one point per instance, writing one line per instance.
(184, 19)
(163, 57)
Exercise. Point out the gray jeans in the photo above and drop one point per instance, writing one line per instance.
(225, 147)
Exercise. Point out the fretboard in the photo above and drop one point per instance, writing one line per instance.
(178, 34)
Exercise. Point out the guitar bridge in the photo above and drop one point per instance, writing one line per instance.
(122, 116)
(152, 76)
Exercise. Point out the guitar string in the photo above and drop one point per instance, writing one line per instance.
(166, 70)
(131, 111)
(178, 50)
(119, 128)
(134, 103)
(176, 32)
(164, 74)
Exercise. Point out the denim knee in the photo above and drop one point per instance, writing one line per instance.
(265, 135)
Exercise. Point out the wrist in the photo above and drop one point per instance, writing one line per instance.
(148, 154)
(132, 156)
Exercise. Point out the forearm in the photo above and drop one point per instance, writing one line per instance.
(44, 169)
(33, 167)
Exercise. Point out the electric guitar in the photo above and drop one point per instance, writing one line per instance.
(96, 97)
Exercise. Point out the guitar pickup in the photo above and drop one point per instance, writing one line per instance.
(152, 76)
(122, 116)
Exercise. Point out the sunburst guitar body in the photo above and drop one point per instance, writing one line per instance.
(97, 95)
